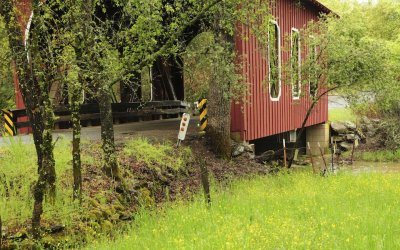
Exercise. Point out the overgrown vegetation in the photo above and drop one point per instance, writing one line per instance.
(379, 155)
(292, 211)
(103, 210)
(161, 156)
(378, 97)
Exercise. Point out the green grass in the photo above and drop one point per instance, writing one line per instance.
(18, 173)
(341, 114)
(162, 155)
(295, 211)
(379, 156)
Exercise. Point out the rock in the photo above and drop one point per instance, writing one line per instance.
(19, 236)
(351, 137)
(338, 151)
(267, 156)
(248, 147)
(350, 125)
(126, 217)
(238, 150)
(338, 138)
(376, 121)
(365, 120)
(345, 146)
(56, 229)
(339, 127)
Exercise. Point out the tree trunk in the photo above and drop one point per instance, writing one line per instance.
(219, 119)
(39, 111)
(110, 164)
(219, 102)
(76, 149)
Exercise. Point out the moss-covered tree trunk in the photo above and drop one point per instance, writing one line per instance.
(110, 164)
(74, 81)
(219, 103)
(219, 118)
(76, 151)
(38, 105)
(75, 99)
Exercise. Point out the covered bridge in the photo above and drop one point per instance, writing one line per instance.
(274, 109)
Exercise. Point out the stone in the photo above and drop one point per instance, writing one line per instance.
(351, 137)
(345, 146)
(350, 125)
(337, 138)
(238, 150)
(339, 127)
(365, 120)
(248, 147)
(267, 156)
(56, 229)
(126, 217)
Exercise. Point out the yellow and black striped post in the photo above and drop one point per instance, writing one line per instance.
(202, 106)
(9, 127)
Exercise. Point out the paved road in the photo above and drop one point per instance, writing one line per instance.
(156, 130)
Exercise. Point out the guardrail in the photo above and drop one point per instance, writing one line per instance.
(89, 112)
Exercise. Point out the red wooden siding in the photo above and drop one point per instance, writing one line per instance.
(258, 116)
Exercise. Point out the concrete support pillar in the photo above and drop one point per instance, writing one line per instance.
(318, 133)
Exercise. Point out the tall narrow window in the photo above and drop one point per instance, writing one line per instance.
(274, 61)
(312, 74)
(295, 63)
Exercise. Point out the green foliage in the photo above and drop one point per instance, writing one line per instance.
(294, 211)
(197, 68)
(160, 156)
(375, 27)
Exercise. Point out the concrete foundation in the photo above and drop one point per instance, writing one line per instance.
(318, 133)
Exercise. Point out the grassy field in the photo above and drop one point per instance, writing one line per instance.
(379, 156)
(18, 173)
(341, 114)
(102, 210)
(294, 211)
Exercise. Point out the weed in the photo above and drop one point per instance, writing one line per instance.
(290, 211)
(161, 156)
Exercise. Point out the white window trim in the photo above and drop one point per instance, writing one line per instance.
(275, 99)
(311, 48)
(294, 30)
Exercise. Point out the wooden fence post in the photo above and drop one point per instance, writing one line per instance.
(205, 181)
(333, 151)
(323, 158)
(352, 151)
(284, 153)
(311, 158)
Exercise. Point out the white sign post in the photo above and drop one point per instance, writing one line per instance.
(183, 128)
